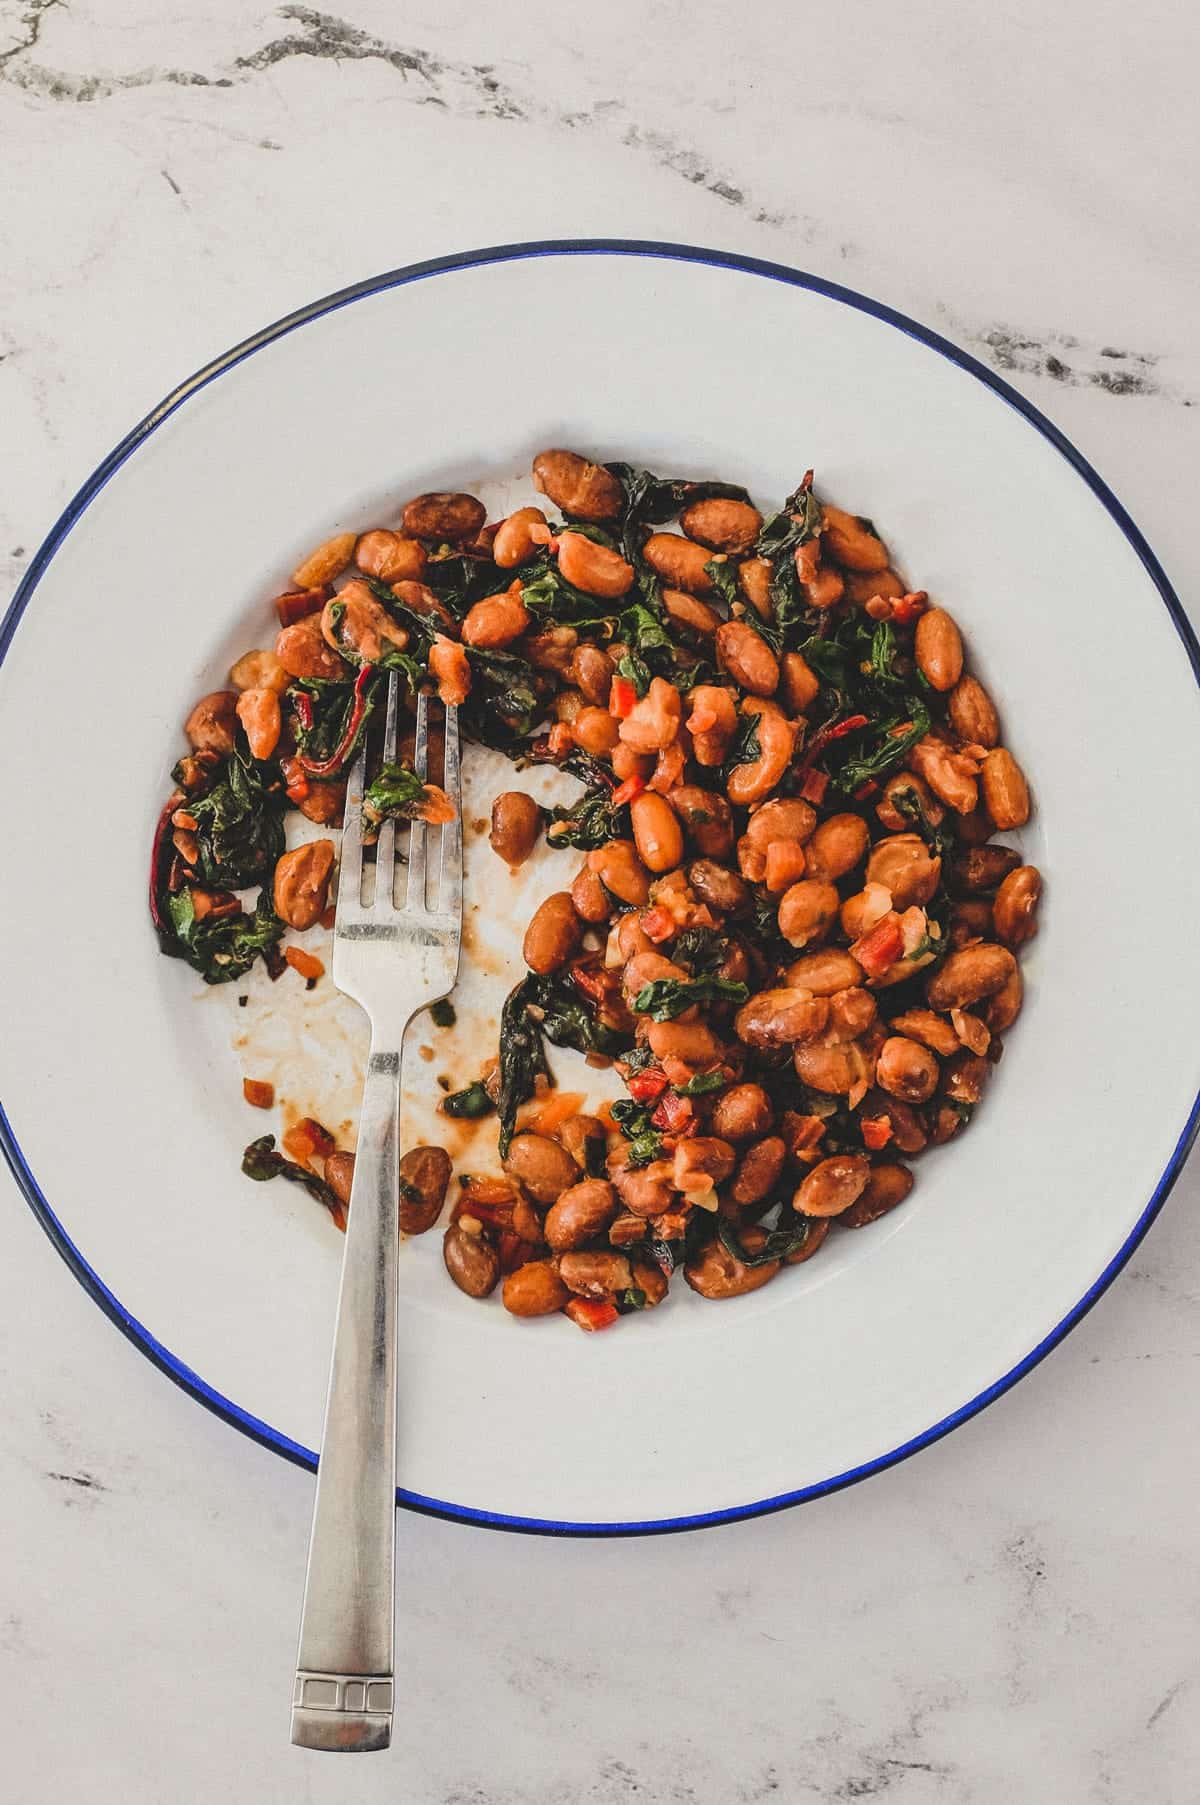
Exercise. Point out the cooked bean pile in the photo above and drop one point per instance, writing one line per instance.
(788, 924)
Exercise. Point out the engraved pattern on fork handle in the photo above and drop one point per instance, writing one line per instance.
(357, 1693)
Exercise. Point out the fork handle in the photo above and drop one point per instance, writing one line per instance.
(344, 1677)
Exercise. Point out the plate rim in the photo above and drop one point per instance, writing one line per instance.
(141, 1337)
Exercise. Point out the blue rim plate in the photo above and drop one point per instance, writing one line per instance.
(93, 1283)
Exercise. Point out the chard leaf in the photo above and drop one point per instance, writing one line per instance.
(888, 748)
(666, 998)
(745, 747)
(522, 1057)
(635, 670)
(588, 823)
(703, 1084)
(796, 522)
(633, 1119)
(779, 1242)
(260, 1161)
(471, 1102)
(724, 578)
(221, 947)
(543, 1007)
(394, 794)
(239, 825)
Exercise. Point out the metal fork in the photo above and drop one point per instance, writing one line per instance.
(394, 962)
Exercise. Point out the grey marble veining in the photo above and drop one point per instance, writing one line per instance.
(1015, 1615)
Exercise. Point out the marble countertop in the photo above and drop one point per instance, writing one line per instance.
(1015, 1614)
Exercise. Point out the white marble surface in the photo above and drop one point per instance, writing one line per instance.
(1016, 1613)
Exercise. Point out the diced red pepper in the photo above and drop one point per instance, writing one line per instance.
(910, 606)
(488, 1199)
(865, 789)
(625, 792)
(876, 1132)
(675, 1114)
(307, 1140)
(621, 698)
(497, 1215)
(304, 709)
(514, 1251)
(329, 767)
(591, 1313)
(802, 1134)
(881, 947)
(258, 1093)
(489, 1190)
(306, 964)
(659, 924)
(298, 604)
(814, 786)
(589, 980)
(647, 1086)
(825, 736)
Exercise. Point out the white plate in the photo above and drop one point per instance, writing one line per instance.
(123, 1101)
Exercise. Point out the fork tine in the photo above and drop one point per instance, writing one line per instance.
(450, 890)
(421, 738)
(349, 894)
(385, 856)
(419, 838)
